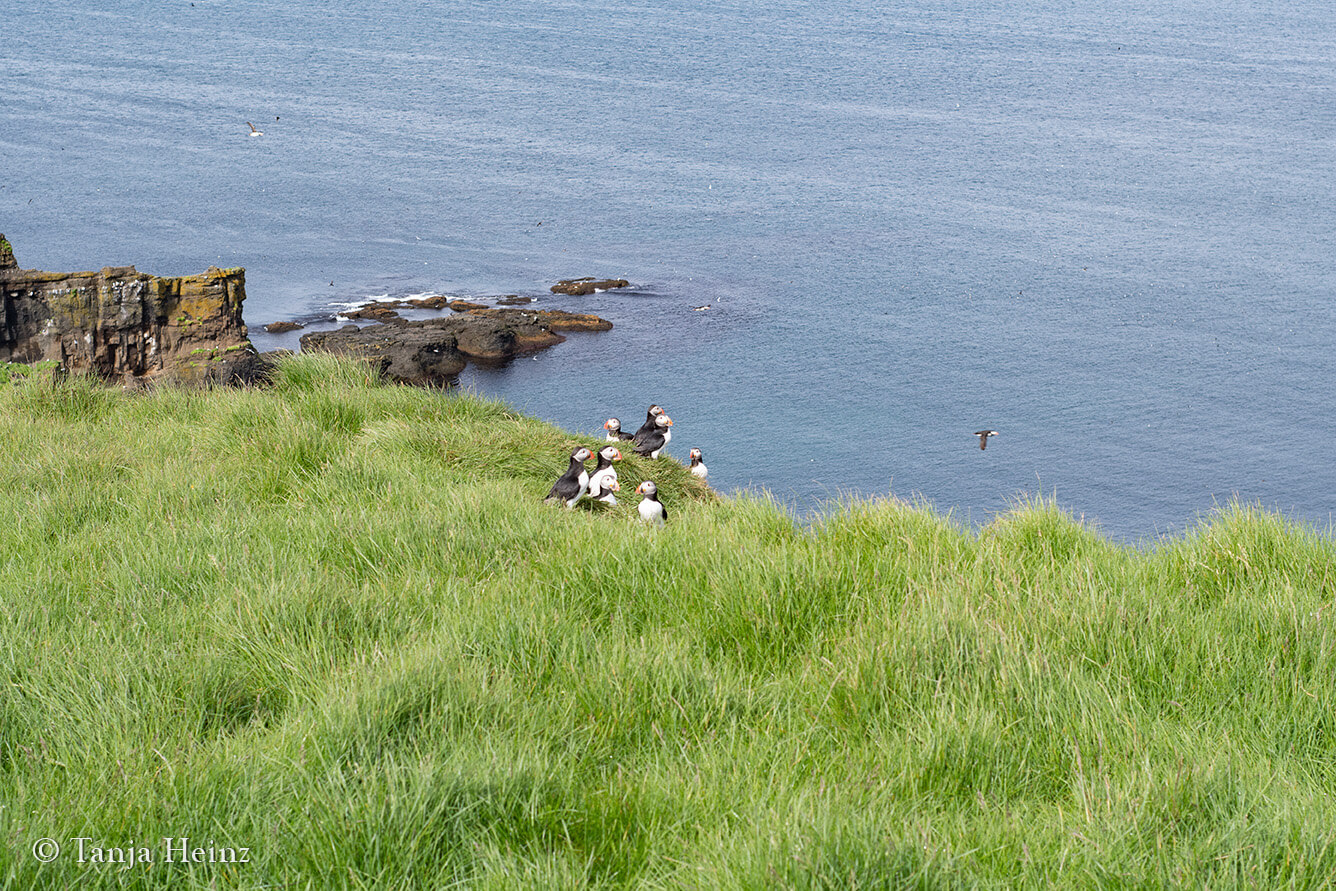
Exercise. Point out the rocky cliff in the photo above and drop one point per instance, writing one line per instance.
(126, 325)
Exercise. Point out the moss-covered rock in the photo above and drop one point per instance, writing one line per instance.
(122, 324)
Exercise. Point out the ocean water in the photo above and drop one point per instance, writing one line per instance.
(1106, 230)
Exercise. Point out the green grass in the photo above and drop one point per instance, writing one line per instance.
(333, 623)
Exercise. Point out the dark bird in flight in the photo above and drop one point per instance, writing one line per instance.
(983, 437)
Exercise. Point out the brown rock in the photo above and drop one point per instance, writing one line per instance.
(578, 287)
(560, 320)
(464, 305)
(434, 351)
(381, 311)
(123, 324)
(513, 300)
(436, 301)
(283, 327)
(546, 319)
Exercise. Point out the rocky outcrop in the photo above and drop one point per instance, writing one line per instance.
(409, 352)
(283, 327)
(578, 287)
(435, 351)
(126, 325)
(376, 312)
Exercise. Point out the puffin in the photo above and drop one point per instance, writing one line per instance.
(255, 132)
(698, 468)
(654, 412)
(651, 508)
(603, 481)
(651, 442)
(983, 437)
(615, 434)
(572, 485)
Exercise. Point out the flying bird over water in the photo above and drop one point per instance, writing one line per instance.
(983, 437)
(254, 132)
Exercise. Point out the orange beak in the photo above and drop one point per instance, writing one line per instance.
(616, 455)
(670, 420)
(607, 425)
(616, 486)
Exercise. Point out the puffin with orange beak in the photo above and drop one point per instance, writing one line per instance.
(615, 434)
(651, 508)
(572, 485)
(698, 468)
(651, 442)
(603, 481)
(654, 412)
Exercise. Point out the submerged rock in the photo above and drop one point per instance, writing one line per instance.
(125, 325)
(578, 287)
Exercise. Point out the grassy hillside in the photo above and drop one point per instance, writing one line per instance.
(333, 623)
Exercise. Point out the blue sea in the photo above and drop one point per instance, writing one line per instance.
(1106, 230)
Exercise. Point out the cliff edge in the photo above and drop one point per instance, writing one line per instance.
(125, 325)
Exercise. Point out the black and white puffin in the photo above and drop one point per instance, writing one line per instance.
(983, 437)
(698, 468)
(654, 412)
(615, 433)
(603, 481)
(651, 442)
(572, 485)
(651, 508)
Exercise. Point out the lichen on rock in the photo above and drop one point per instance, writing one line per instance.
(125, 325)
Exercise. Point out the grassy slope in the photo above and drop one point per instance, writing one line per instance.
(333, 623)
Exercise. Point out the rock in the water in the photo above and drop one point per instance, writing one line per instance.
(546, 319)
(434, 351)
(464, 305)
(283, 327)
(125, 325)
(513, 300)
(435, 301)
(383, 311)
(578, 287)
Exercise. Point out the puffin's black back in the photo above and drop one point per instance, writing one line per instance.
(650, 441)
(567, 485)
